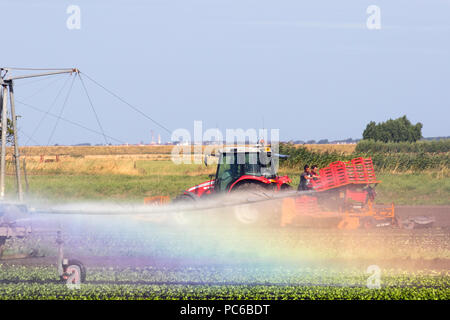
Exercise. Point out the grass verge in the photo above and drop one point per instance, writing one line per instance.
(151, 178)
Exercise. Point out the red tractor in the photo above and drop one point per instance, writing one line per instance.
(240, 169)
(341, 196)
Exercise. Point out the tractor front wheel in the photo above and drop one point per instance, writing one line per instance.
(183, 198)
(181, 217)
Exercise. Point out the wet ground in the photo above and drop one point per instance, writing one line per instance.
(441, 213)
(392, 247)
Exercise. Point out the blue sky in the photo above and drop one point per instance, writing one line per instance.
(311, 69)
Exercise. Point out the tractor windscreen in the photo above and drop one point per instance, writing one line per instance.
(248, 163)
(255, 164)
(239, 164)
(266, 164)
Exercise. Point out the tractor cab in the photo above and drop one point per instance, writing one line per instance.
(240, 168)
(243, 163)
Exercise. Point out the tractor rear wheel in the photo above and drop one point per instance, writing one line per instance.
(250, 187)
(255, 212)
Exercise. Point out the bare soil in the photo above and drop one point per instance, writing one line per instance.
(440, 213)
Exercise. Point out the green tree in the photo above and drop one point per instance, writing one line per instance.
(397, 130)
(371, 131)
(9, 132)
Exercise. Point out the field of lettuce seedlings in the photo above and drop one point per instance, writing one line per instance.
(251, 282)
(156, 262)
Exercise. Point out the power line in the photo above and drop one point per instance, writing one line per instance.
(34, 69)
(28, 136)
(67, 120)
(59, 117)
(62, 110)
(26, 83)
(49, 109)
(42, 88)
(93, 109)
(129, 104)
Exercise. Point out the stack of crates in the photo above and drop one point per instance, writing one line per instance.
(339, 173)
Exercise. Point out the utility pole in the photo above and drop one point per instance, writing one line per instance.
(4, 123)
(16, 145)
(8, 83)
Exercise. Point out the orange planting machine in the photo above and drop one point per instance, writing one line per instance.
(343, 195)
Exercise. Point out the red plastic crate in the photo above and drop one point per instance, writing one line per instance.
(339, 173)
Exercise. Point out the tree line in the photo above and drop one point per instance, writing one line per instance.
(398, 130)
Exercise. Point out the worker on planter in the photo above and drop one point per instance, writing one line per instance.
(314, 173)
(305, 178)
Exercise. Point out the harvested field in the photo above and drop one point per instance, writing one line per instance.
(340, 148)
(147, 149)
(92, 150)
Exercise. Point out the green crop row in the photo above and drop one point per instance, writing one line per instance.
(435, 146)
(283, 275)
(207, 292)
(299, 156)
(213, 283)
(399, 161)
(410, 161)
